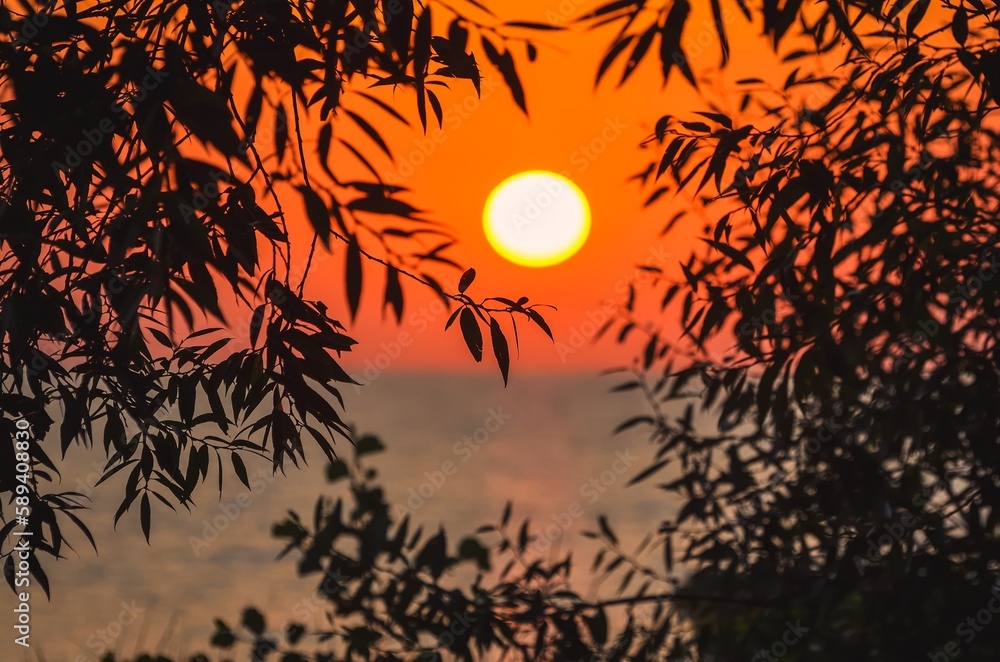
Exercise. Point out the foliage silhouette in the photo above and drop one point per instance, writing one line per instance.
(836, 489)
(390, 598)
(838, 463)
(151, 154)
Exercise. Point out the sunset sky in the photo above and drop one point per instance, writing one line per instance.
(592, 136)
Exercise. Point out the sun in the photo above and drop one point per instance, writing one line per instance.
(537, 218)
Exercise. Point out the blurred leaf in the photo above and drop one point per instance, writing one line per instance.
(316, 211)
(353, 275)
(369, 444)
(394, 292)
(399, 24)
(531, 25)
(598, 627)
(606, 529)
(960, 25)
(913, 19)
(336, 470)
(253, 620)
(280, 131)
(671, 53)
(505, 63)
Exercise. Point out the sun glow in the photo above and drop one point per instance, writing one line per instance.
(537, 218)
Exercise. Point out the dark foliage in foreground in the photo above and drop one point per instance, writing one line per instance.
(838, 465)
(150, 154)
(386, 592)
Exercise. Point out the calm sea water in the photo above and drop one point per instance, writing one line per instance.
(551, 437)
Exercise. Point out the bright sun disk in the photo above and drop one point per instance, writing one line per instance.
(537, 218)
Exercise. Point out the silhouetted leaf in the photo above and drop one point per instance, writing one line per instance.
(144, 515)
(649, 471)
(610, 8)
(500, 350)
(256, 321)
(598, 627)
(241, 469)
(370, 131)
(612, 54)
(844, 23)
(720, 27)
(960, 25)
(394, 292)
(353, 275)
(337, 470)
(399, 24)
(466, 280)
(732, 253)
(458, 35)
(369, 444)
(422, 43)
(540, 321)
(472, 333)
(532, 25)
(913, 19)
(505, 63)
(280, 131)
(670, 40)
(205, 112)
(253, 620)
(602, 521)
(317, 213)
(641, 46)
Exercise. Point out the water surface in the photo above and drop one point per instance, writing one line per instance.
(545, 444)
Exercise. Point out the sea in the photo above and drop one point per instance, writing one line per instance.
(457, 449)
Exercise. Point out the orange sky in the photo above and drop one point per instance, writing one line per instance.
(485, 141)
